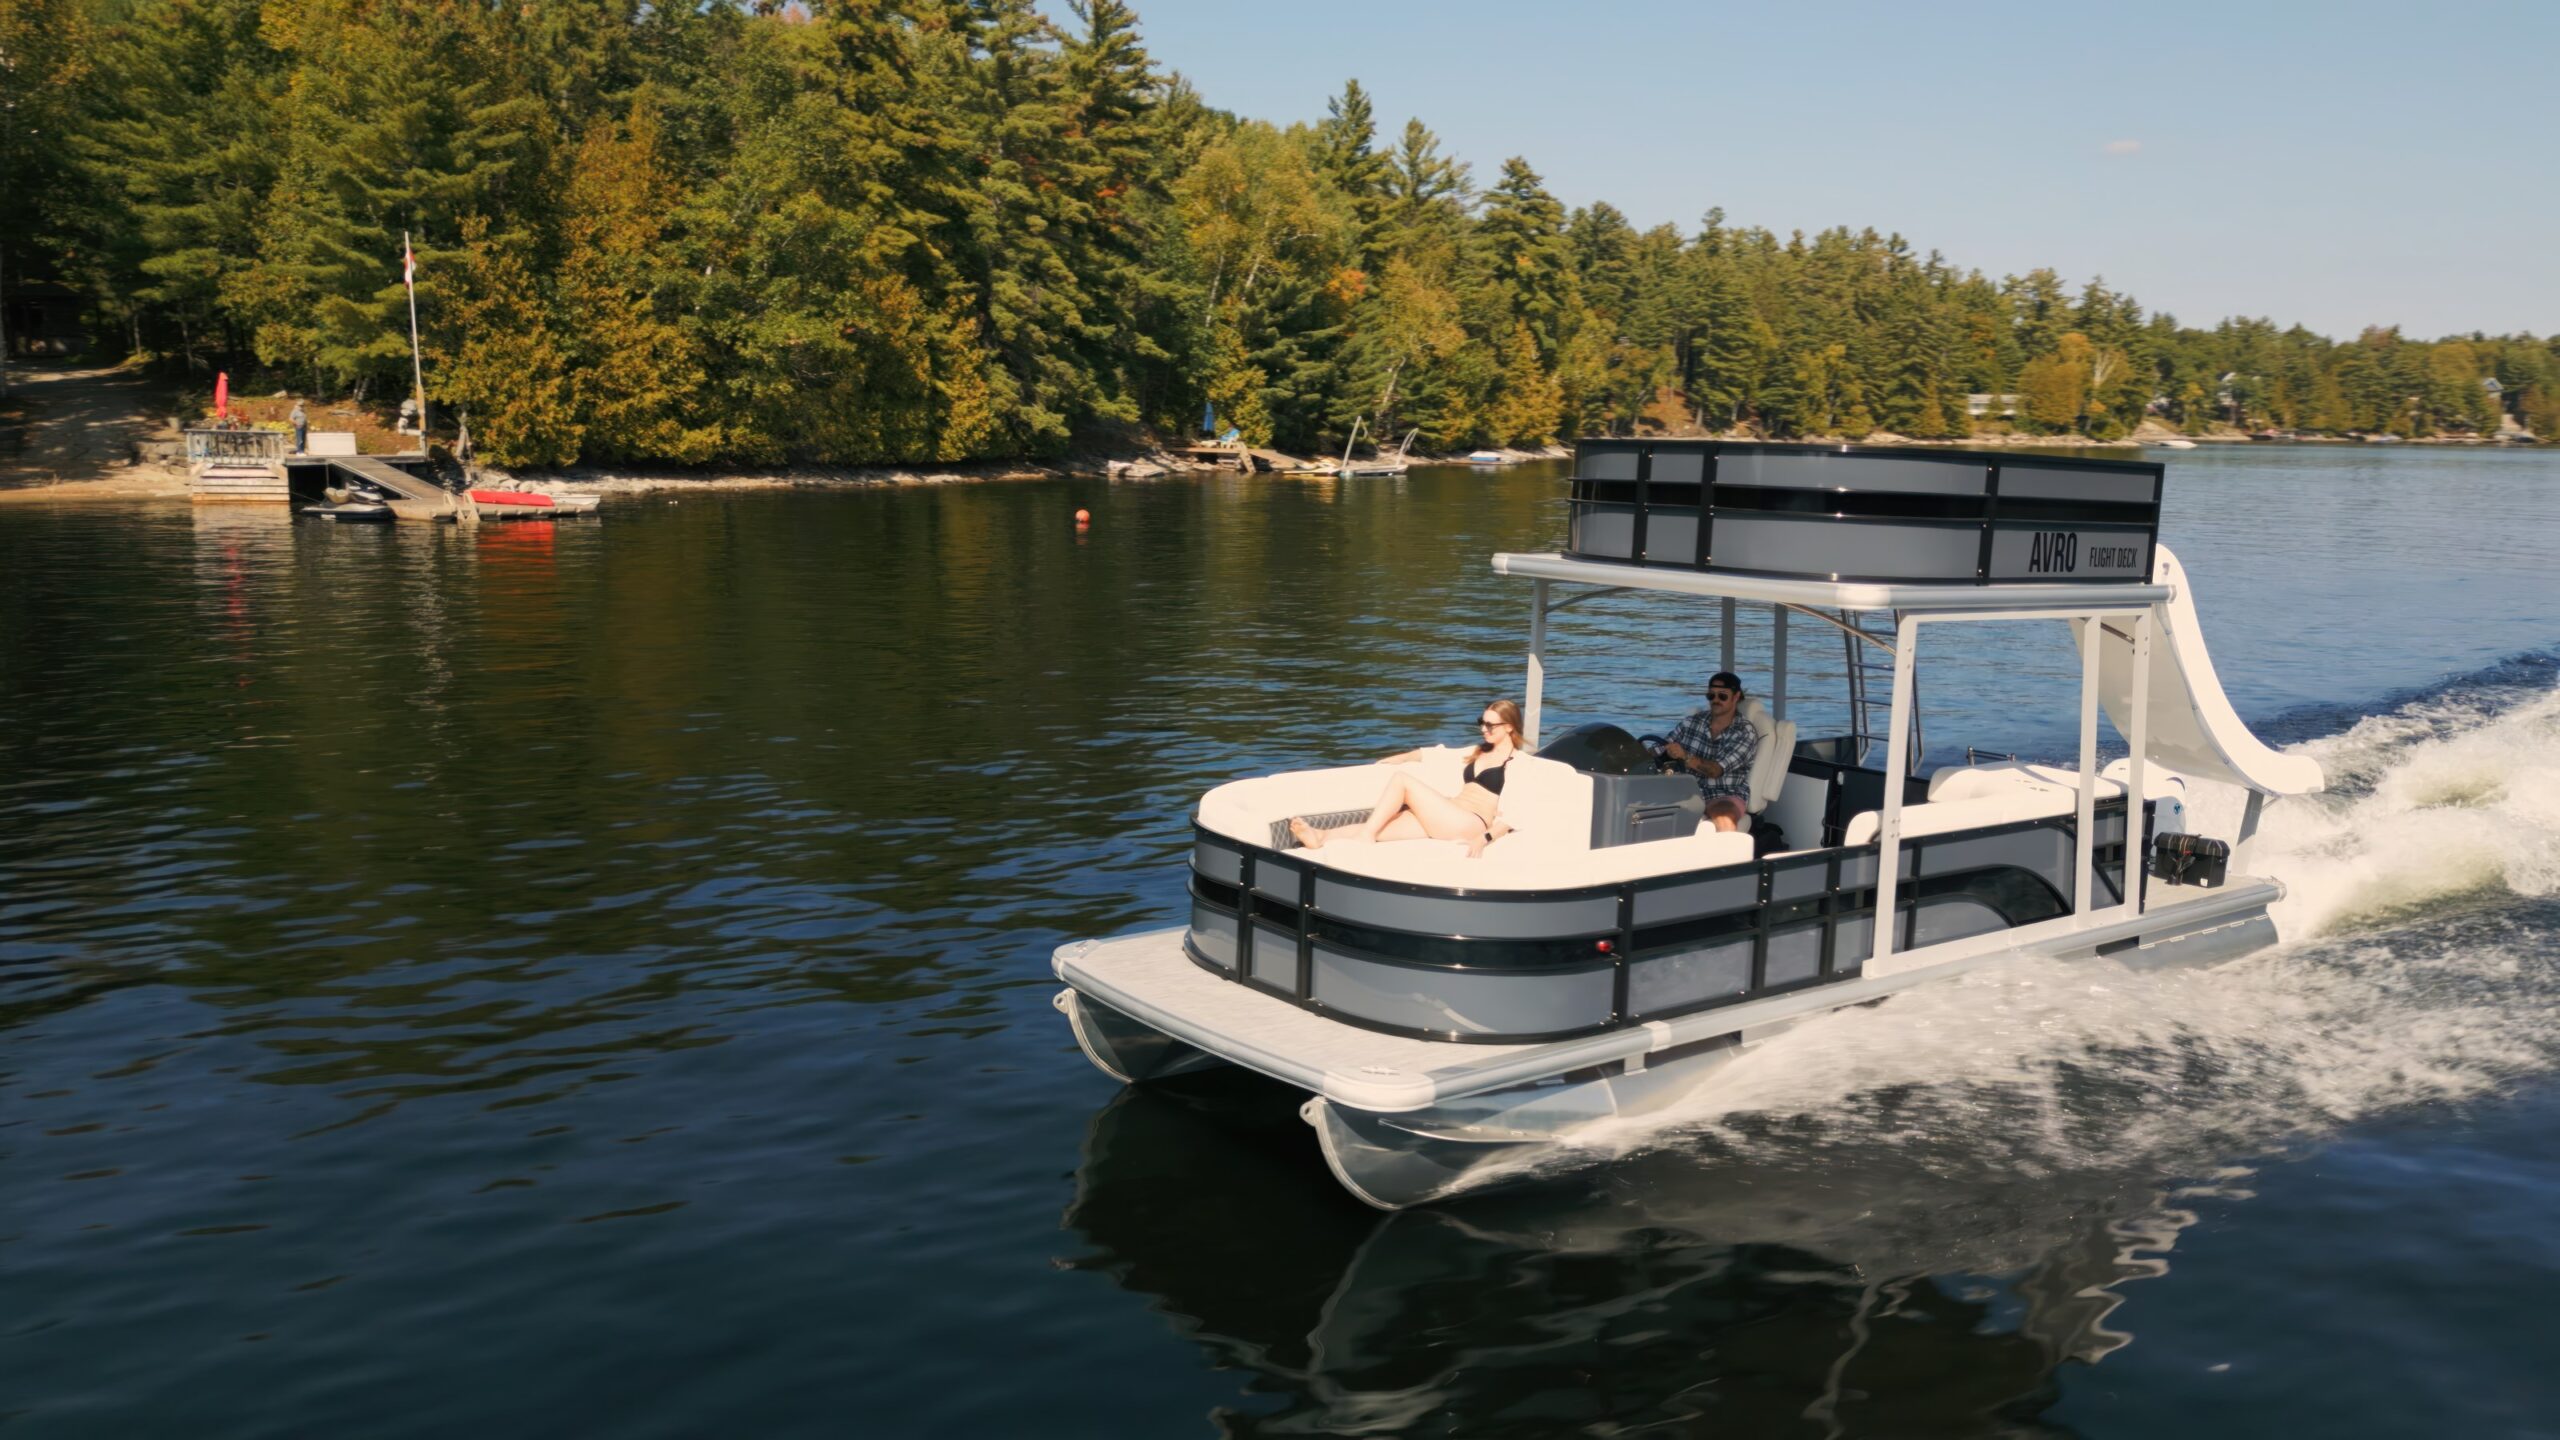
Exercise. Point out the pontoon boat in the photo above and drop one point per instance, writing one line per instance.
(1450, 1017)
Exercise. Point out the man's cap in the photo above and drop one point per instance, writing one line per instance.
(1728, 680)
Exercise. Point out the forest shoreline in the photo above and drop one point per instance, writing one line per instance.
(136, 480)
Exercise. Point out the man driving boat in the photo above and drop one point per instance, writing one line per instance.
(1715, 744)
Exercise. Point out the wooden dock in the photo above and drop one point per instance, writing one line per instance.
(1244, 459)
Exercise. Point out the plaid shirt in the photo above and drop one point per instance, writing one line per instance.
(1732, 750)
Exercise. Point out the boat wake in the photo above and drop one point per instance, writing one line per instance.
(2421, 930)
(2450, 797)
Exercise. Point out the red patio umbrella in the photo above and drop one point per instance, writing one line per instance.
(222, 395)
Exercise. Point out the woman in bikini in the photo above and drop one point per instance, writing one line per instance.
(1411, 810)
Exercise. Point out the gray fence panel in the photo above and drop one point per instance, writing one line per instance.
(1274, 961)
(1954, 917)
(2038, 482)
(1473, 916)
(1679, 467)
(1277, 879)
(1217, 862)
(1608, 531)
(1671, 535)
(1659, 984)
(2043, 851)
(1855, 944)
(1881, 550)
(1462, 1002)
(1214, 936)
(1795, 953)
(1851, 472)
(1715, 895)
(1798, 882)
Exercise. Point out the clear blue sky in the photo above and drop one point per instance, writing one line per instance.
(2336, 164)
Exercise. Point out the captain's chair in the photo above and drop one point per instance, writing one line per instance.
(1770, 754)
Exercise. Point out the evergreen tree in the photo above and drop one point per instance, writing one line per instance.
(1346, 155)
(509, 370)
(639, 389)
(1529, 404)
(1526, 263)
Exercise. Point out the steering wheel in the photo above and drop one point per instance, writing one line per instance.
(1661, 762)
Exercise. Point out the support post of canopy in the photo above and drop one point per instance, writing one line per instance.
(2136, 858)
(2084, 830)
(1778, 662)
(1530, 701)
(1730, 606)
(1897, 754)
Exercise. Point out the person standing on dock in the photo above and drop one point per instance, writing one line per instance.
(301, 422)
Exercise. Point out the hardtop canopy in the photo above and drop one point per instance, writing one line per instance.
(1851, 514)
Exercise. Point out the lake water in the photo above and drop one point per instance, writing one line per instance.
(517, 982)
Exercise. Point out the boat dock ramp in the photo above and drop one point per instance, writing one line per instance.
(255, 467)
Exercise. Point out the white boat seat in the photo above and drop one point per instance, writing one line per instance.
(1770, 754)
(1966, 782)
(1938, 817)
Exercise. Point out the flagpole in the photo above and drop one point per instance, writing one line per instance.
(417, 367)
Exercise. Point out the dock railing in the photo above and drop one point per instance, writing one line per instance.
(257, 447)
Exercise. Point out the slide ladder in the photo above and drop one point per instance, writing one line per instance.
(2193, 728)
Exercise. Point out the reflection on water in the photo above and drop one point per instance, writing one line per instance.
(1874, 1296)
(608, 962)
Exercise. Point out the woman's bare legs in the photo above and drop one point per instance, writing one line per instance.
(1440, 817)
(1406, 810)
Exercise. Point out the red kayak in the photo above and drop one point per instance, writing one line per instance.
(524, 502)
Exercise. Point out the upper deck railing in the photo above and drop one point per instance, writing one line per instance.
(1842, 513)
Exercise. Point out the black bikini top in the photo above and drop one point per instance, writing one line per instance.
(1491, 779)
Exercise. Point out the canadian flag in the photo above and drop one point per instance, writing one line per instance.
(408, 264)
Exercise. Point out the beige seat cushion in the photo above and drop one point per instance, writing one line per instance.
(1938, 817)
(1770, 754)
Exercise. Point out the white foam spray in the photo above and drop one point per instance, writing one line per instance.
(2415, 969)
(2438, 800)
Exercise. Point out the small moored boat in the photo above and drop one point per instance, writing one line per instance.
(1453, 1018)
(351, 511)
(525, 504)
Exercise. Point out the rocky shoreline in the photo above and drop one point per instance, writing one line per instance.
(1143, 465)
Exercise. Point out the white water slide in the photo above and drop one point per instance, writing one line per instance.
(2193, 728)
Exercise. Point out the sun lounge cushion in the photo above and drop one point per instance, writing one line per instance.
(1513, 864)
(1548, 803)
